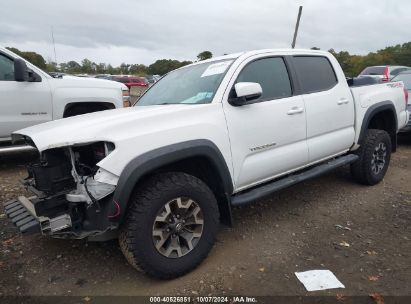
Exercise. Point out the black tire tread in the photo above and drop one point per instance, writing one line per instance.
(141, 203)
(360, 169)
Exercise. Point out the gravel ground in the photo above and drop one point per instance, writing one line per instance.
(362, 234)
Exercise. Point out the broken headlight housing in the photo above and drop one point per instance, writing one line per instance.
(87, 156)
(71, 192)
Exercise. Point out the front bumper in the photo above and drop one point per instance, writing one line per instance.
(23, 215)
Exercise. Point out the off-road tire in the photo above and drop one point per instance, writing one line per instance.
(136, 240)
(362, 169)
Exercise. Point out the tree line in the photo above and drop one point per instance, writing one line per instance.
(86, 66)
(351, 64)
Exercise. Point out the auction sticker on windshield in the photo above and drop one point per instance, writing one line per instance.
(216, 68)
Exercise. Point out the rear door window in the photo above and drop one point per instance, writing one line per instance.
(315, 73)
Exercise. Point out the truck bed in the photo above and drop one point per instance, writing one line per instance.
(367, 94)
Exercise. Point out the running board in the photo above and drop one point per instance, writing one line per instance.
(250, 196)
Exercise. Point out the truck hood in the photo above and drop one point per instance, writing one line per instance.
(110, 125)
(68, 81)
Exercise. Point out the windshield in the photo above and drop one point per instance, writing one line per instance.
(195, 84)
(406, 78)
(373, 71)
(121, 79)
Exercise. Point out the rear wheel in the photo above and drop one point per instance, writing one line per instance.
(170, 226)
(374, 157)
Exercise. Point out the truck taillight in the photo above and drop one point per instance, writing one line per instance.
(386, 74)
(406, 96)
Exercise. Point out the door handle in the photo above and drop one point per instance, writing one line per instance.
(295, 110)
(343, 101)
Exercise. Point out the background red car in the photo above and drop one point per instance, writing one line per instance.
(132, 81)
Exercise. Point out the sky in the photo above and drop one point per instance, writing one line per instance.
(135, 31)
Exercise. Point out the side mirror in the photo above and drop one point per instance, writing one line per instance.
(246, 92)
(21, 72)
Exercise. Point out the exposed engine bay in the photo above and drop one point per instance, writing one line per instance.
(71, 193)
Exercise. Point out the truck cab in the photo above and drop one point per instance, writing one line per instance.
(30, 96)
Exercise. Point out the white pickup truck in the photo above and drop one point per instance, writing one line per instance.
(29, 96)
(206, 137)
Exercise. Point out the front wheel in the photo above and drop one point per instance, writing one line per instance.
(374, 158)
(170, 226)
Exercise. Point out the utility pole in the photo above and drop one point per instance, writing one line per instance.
(54, 45)
(300, 10)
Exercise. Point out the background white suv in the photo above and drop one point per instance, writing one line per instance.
(383, 72)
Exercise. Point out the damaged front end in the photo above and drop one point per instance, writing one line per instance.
(71, 194)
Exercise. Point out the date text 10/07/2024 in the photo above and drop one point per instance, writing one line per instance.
(203, 299)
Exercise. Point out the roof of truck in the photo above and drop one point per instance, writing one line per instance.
(262, 51)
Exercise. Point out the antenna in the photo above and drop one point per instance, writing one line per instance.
(54, 45)
(300, 10)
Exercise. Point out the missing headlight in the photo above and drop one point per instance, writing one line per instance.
(88, 156)
(84, 163)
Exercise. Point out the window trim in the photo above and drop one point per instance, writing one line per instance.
(302, 92)
(290, 78)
